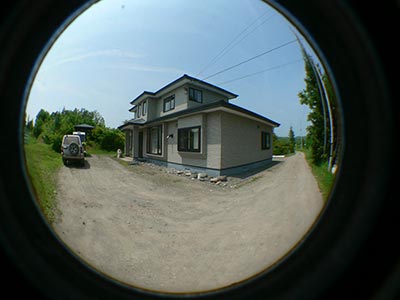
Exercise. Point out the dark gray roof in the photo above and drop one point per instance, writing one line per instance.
(84, 126)
(201, 108)
(187, 77)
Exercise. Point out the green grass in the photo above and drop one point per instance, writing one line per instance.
(98, 151)
(42, 165)
(322, 175)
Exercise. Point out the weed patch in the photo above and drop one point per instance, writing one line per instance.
(322, 175)
(42, 165)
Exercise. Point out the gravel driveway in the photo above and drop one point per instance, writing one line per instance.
(168, 233)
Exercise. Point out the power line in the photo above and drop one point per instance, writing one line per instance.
(238, 42)
(225, 50)
(262, 71)
(250, 59)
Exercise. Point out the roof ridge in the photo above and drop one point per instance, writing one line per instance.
(184, 76)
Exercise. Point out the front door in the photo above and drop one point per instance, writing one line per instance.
(140, 154)
(128, 143)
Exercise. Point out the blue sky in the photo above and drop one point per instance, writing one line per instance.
(117, 49)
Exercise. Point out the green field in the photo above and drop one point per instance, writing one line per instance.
(42, 164)
(324, 178)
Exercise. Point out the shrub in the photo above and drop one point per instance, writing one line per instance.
(56, 144)
(51, 128)
(112, 140)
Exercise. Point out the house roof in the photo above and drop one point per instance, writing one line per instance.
(179, 82)
(83, 127)
(219, 105)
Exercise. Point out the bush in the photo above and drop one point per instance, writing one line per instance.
(112, 140)
(51, 128)
(281, 148)
(57, 141)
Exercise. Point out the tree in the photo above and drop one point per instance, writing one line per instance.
(41, 118)
(29, 125)
(316, 132)
(281, 145)
(112, 140)
(292, 140)
(52, 127)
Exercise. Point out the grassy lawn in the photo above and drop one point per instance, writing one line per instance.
(42, 165)
(98, 151)
(324, 178)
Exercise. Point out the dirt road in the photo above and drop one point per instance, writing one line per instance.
(168, 233)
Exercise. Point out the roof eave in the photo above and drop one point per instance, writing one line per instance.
(177, 83)
(213, 106)
(143, 95)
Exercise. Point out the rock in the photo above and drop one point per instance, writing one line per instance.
(201, 175)
(188, 173)
(222, 178)
(219, 179)
(179, 172)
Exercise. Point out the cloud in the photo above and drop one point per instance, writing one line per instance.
(104, 56)
(147, 68)
(114, 53)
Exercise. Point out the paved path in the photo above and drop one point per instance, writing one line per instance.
(168, 233)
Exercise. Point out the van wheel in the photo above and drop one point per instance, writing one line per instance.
(74, 149)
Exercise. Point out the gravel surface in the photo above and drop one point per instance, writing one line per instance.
(156, 230)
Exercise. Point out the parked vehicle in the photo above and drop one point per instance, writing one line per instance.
(82, 136)
(72, 150)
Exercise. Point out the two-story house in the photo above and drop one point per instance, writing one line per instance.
(190, 124)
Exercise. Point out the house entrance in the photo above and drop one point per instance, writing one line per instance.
(140, 154)
(128, 144)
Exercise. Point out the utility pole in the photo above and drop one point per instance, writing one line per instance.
(301, 134)
(324, 101)
(331, 140)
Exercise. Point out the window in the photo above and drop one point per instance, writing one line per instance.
(154, 140)
(144, 108)
(169, 103)
(138, 110)
(189, 139)
(265, 140)
(71, 139)
(195, 95)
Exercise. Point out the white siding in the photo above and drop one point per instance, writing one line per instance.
(180, 102)
(241, 141)
(213, 140)
(210, 155)
(208, 97)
